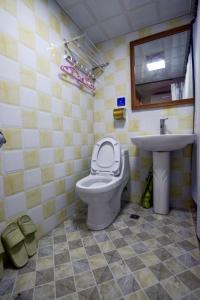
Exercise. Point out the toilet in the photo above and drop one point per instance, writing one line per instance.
(102, 189)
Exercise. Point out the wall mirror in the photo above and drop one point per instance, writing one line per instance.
(162, 69)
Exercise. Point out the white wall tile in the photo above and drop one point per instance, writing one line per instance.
(15, 204)
(32, 178)
(13, 161)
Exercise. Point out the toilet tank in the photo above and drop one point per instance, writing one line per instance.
(125, 163)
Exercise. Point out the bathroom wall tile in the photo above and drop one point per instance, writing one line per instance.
(8, 46)
(2, 211)
(28, 97)
(28, 77)
(33, 197)
(42, 28)
(47, 173)
(32, 178)
(13, 183)
(31, 159)
(15, 204)
(13, 138)
(12, 161)
(26, 36)
(48, 208)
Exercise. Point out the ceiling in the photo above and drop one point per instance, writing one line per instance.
(105, 19)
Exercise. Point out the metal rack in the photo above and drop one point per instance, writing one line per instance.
(85, 62)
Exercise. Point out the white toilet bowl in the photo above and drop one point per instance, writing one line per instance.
(102, 189)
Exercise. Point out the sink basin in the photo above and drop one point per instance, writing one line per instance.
(161, 145)
(165, 142)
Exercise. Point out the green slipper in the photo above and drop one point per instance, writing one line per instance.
(13, 241)
(1, 259)
(28, 229)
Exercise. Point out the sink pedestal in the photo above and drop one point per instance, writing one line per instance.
(161, 172)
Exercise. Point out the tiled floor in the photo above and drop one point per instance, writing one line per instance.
(154, 257)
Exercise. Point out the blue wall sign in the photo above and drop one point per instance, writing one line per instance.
(121, 101)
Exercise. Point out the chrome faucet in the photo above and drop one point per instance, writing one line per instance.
(163, 126)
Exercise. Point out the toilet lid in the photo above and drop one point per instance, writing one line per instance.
(106, 157)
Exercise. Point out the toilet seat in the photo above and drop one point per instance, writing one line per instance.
(106, 157)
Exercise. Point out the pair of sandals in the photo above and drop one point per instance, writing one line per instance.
(19, 240)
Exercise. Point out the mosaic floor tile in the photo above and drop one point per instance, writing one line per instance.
(44, 276)
(59, 239)
(75, 244)
(80, 266)
(188, 260)
(138, 295)
(44, 262)
(156, 252)
(128, 284)
(61, 258)
(106, 246)
(140, 248)
(63, 270)
(89, 294)
(112, 256)
(102, 274)
(135, 263)
(109, 290)
(149, 258)
(175, 288)
(6, 286)
(84, 281)
(78, 253)
(119, 269)
(157, 292)
(45, 251)
(160, 271)
(44, 292)
(92, 250)
(162, 254)
(145, 277)
(126, 252)
(65, 286)
(29, 267)
(97, 261)
(120, 243)
(23, 295)
(190, 280)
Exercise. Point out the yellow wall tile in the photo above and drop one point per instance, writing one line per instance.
(60, 187)
(135, 175)
(98, 116)
(26, 36)
(56, 89)
(120, 64)
(69, 167)
(57, 123)
(76, 126)
(61, 216)
(68, 139)
(33, 197)
(59, 155)
(8, 46)
(133, 150)
(29, 3)
(31, 159)
(120, 89)
(2, 211)
(28, 77)
(43, 65)
(54, 23)
(145, 32)
(77, 152)
(42, 29)
(9, 92)
(134, 125)
(13, 183)
(44, 102)
(67, 109)
(47, 173)
(13, 138)
(45, 138)
(48, 208)
(185, 122)
(9, 5)
(70, 198)
(29, 118)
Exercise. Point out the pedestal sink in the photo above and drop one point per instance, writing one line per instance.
(161, 145)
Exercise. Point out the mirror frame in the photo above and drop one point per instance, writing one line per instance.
(135, 104)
